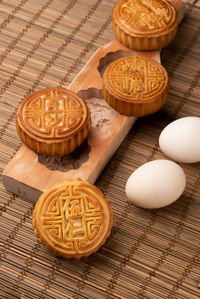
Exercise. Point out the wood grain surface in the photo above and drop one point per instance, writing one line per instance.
(26, 176)
(150, 254)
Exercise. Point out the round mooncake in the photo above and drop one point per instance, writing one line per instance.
(144, 24)
(53, 121)
(72, 219)
(135, 86)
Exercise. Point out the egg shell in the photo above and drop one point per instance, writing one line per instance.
(180, 140)
(156, 184)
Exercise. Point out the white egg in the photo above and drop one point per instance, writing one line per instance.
(156, 184)
(180, 140)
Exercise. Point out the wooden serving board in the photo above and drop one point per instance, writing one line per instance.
(29, 174)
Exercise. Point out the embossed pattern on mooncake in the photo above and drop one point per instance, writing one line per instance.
(136, 78)
(51, 116)
(53, 113)
(73, 218)
(144, 24)
(132, 84)
(148, 15)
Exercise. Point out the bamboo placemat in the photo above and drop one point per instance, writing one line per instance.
(150, 254)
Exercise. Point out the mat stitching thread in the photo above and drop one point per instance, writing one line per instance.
(138, 242)
(121, 220)
(25, 30)
(12, 15)
(179, 61)
(8, 293)
(81, 283)
(157, 144)
(104, 188)
(166, 252)
(91, 259)
(48, 64)
(171, 244)
(4, 207)
(130, 254)
(195, 258)
(73, 68)
(31, 52)
(28, 263)
(187, 94)
(186, 50)
(51, 277)
(162, 258)
(35, 47)
(84, 52)
(183, 216)
(77, 62)
(151, 157)
(99, 33)
(13, 233)
(186, 272)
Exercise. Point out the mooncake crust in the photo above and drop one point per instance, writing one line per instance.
(135, 86)
(72, 219)
(144, 24)
(53, 121)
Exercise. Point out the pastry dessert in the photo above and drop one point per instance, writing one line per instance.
(53, 121)
(144, 24)
(135, 86)
(72, 219)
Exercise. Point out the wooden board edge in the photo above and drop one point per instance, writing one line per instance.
(21, 189)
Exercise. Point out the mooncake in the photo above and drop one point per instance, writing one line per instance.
(144, 24)
(135, 86)
(53, 121)
(73, 218)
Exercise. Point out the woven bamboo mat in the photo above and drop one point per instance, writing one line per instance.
(150, 254)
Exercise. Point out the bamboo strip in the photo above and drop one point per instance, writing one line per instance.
(26, 265)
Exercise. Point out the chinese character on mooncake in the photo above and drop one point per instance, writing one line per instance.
(145, 24)
(135, 86)
(53, 121)
(73, 219)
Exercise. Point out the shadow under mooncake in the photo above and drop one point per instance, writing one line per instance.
(73, 219)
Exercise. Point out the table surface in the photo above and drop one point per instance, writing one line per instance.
(150, 253)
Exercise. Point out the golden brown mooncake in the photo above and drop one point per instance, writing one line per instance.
(135, 86)
(144, 24)
(53, 121)
(73, 218)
